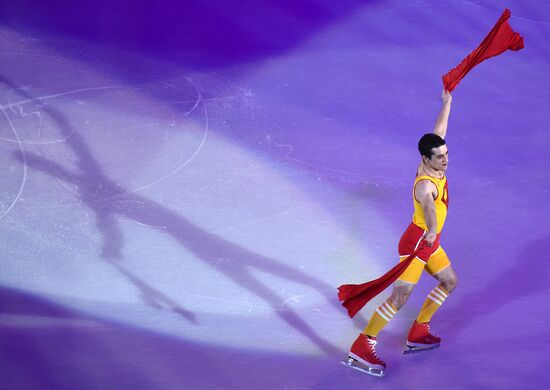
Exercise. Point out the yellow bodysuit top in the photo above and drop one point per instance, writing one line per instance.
(441, 203)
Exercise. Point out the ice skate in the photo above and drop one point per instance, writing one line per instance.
(362, 357)
(420, 339)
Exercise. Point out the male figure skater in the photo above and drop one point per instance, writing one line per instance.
(431, 200)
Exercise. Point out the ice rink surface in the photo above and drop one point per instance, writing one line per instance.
(185, 184)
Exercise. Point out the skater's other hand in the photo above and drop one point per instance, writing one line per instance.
(430, 237)
(446, 97)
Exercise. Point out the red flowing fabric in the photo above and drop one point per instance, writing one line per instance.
(499, 39)
(355, 296)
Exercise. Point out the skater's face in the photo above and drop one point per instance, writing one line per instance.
(439, 159)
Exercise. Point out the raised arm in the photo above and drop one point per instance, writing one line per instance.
(424, 192)
(440, 127)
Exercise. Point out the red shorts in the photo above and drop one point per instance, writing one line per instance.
(410, 240)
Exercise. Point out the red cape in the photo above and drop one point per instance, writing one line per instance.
(355, 296)
(499, 39)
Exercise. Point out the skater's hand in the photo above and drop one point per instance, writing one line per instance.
(430, 237)
(446, 97)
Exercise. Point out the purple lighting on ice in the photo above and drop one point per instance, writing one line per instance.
(186, 183)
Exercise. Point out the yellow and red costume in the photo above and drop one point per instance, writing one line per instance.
(415, 255)
(433, 259)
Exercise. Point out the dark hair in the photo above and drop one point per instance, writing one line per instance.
(428, 142)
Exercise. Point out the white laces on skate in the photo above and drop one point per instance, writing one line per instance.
(372, 343)
(429, 330)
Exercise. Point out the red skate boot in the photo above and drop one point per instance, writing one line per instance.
(420, 338)
(362, 356)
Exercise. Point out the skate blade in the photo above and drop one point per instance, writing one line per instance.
(354, 364)
(410, 350)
